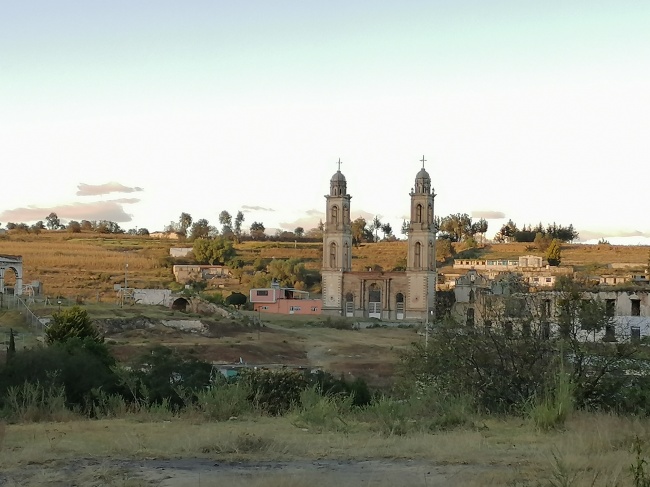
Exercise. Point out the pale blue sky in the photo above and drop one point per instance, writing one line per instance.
(537, 110)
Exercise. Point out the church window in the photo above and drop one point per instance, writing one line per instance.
(418, 213)
(333, 255)
(335, 214)
(417, 262)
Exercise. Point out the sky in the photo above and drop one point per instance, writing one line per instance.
(137, 111)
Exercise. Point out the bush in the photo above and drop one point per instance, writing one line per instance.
(323, 412)
(555, 406)
(274, 392)
(71, 323)
(75, 367)
(223, 401)
(36, 402)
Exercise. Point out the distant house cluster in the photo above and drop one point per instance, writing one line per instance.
(480, 301)
(530, 267)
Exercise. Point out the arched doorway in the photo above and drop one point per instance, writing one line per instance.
(349, 305)
(180, 304)
(399, 306)
(374, 301)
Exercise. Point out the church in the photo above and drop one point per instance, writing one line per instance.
(396, 295)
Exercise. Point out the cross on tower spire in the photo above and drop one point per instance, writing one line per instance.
(423, 160)
(339, 163)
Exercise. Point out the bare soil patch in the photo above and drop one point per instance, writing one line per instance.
(190, 472)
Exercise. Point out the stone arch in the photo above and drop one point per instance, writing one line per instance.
(180, 304)
(13, 263)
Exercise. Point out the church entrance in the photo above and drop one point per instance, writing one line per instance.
(349, 305)
(374, 301)
(399, 308)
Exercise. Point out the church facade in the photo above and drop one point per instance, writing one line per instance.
(403, 295)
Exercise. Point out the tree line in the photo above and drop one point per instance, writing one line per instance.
(510, 232)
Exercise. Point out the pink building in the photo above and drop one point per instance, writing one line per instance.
(284, 300)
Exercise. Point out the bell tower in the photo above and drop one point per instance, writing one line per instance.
(337, 243)
(421, 259)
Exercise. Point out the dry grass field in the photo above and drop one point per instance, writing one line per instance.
(88, 264)
(593, 450)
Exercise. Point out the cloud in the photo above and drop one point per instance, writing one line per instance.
(313, 217)
(100, 189)
(589, 236)
(248, 209)
(98, 210)
(488, 214)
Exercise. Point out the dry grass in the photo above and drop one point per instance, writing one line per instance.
(594, 449)
(89, 264)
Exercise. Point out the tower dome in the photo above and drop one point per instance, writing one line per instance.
(338, 184)
(422, 181)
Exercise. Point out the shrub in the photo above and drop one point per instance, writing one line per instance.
(223, 401)
(274, 392)
(323, 412)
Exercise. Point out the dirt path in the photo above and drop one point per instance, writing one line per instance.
(204, 472)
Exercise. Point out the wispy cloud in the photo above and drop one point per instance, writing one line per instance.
(97, 210)
(84, 189)
(248, 208)
(488, 214)
(313, 217)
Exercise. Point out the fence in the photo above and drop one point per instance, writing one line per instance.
(10, 301)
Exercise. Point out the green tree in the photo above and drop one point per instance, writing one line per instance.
(288, 272)
(11, 350)
(257, 231)
(184, 222)
(457, 226)
(200, 229)
(213, 250)
(239, 219)
(71, 323)
(376, 226)
(360, 231)
(554, 253)
(405, 228)
(74, 226)
(236, 299)
(387, 230)
(53, 222)
(299, 232)
(507, 232)
(225, 219)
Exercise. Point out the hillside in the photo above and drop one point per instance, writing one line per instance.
(88, 265)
